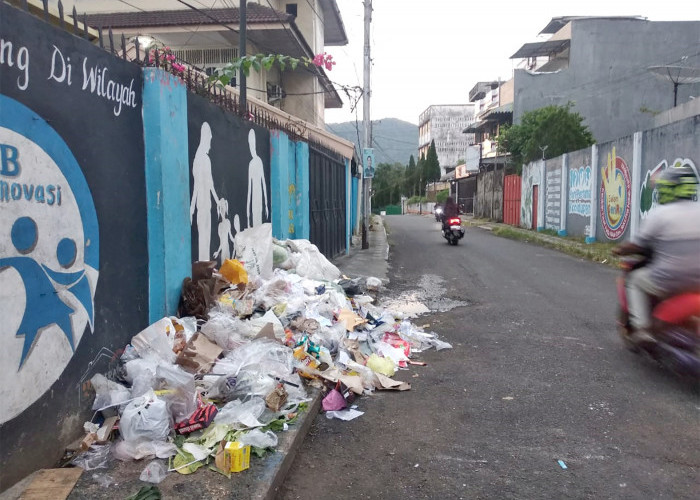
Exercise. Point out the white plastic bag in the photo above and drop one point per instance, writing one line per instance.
(145, 418)
(108, 393)
(254, 250)
(241, 414)
(259, 439)
(310, 262)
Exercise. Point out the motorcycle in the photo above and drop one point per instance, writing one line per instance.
(452, 230)
(675, 327)
(438, 213)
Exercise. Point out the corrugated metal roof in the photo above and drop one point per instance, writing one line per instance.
(186, 17)
(537, 49)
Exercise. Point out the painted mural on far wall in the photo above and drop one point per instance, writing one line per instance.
(648, 195)
(615, 196)
(230, 161)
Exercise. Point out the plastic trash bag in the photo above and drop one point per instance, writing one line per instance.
(108, 393)
(310, 262)
(136, 450)
(145, 418)
(333, 401)
(373, 284)
(261, 355)
(141, 374)
(259, 439)
(254, 249)
(183, 398)
(96, 457)
(226, 331)
(385, 366)
(154, 472)
(158, 339)
(241, 414)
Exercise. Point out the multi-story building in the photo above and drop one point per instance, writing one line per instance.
(443, 123)
(208, 38)
(602, 66)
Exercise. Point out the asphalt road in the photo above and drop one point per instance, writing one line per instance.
(537, 375)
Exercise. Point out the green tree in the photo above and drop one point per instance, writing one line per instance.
(431, 172)
(420, 181)
(410, 178)
(387, 184)
(557, 128)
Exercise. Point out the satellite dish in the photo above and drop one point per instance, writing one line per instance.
(678, 75)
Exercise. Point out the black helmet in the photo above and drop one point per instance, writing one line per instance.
(676, 183)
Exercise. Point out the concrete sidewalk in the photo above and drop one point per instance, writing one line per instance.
(265, 475)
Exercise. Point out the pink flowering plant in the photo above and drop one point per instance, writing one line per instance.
(262, 61)
(166, 60)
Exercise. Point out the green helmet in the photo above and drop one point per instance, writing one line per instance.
(677, 183)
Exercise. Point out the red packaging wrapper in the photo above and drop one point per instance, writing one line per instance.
(199, 420)
(394, 340)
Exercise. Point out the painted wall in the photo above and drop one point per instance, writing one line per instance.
(600, 74)
(73, 231)
(614, 189)
(230, 178)
(579, 201)
(531, 176)
(289, 175)
(554, 191)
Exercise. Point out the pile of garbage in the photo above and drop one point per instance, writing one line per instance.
(236, 366)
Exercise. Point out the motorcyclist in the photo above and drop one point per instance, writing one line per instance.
(449, 211)
(671, 235)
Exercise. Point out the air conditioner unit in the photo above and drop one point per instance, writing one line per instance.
(274, 93)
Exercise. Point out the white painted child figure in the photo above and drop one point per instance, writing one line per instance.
(257, 187)
(224, 230)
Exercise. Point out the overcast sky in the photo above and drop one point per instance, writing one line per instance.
(428, 52)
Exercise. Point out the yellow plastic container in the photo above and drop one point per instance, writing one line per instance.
(234, 272)
(237, 455)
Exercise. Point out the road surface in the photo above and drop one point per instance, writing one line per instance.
(536, 376)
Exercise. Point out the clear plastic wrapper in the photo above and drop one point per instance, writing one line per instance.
(258, 438)
(261, 355)
(96, 457)
(182, 394)
(154, 472)
(137, 450)
(240, 414)
(227, 331)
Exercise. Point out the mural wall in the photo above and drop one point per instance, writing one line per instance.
(553, 173)
(614, 189)
(531, 176)
(73, 234)
(580, 190)
(230, 183)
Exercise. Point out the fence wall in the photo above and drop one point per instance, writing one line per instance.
(74, 242)
(609, 188)
(489, 199)
(113, 179)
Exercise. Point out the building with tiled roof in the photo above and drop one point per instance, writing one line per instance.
(207, 38)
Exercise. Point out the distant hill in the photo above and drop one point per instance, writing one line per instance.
(394, 140)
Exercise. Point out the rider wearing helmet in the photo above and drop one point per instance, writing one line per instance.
(671, 235)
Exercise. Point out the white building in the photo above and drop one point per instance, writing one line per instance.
(207, 37)
(444, 123)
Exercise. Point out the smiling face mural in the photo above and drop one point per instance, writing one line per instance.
(55, 265)
(615, 193)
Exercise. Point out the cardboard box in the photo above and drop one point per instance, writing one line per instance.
(232, 456)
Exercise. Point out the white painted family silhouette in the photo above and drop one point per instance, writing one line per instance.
(204, 191)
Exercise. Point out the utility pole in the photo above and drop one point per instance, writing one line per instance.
(367, 123)
(242, 96)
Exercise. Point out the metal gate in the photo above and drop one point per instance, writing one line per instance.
(511, 200)
(327, 200)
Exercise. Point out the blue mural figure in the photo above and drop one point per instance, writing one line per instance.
(43, 305)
